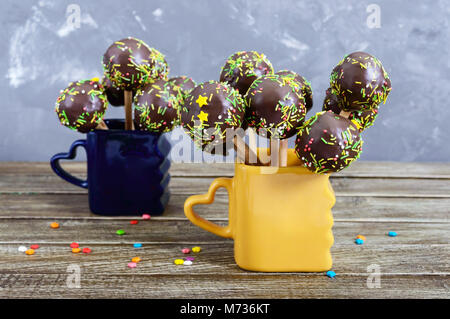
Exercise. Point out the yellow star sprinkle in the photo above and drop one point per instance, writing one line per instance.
(201, 100)
(203, 116)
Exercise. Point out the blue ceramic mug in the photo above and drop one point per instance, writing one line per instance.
(127, 170)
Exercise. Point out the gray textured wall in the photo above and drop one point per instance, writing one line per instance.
(41, 54)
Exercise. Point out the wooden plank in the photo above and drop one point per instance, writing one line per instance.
(182, 231)
(133, 285)
(357, 169)
(218, 258)
(349, 208)
(381, 187)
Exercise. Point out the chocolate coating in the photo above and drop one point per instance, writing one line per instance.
(82, 105)
(130, 63)
(362, 119)
(360, 82)
(113, 94)
(157, 107)
(209, 110)
(275, 106)
(244, 67)
(328, 143)
(306, 87)
(183, 83)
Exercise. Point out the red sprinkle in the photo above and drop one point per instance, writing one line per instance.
(86, 250)
(74, 245)
(133, 222)
(34, 246)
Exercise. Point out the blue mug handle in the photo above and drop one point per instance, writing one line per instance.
(54, 162)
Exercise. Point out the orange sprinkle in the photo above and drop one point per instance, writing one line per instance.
(136, 259)
(361, 237)
(29, 252)
(54, 225)
(76, 250)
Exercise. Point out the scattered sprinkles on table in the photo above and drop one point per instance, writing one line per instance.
(134, 222)
(392, 234)
(74, 245)
(361, 237)
(81, 106)
(22, 249)
(189, 258)
(54, 225)
(136, 259)
(328, 143)
(360, 82)
(187, 263)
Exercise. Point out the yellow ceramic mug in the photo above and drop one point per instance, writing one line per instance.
(280, 218)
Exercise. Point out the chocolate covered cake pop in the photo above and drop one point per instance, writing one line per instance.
(113, 94)
(209, 110)
(130, 63)
(328, 143)
(362, 119)
(306, 86)
(275, 106)
(360, 82)
(82, 105)
(156, 107)
(183, 83)
(244, 67)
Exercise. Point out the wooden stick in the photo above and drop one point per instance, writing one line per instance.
(345, 114)
(102, 126)
(243, 151)
(128, 98)
(283, 152)
(274, 151)
(252, 145)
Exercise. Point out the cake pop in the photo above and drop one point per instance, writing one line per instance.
(156, 107)
(360, 82)
(306, 86)
(243, 67)
(362, 119)
(209, 110)
(82, 105)
(129, 64)
(276, 106)
(328, 143)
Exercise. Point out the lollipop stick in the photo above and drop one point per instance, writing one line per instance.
(244, 152)
(128, 97)
(274, 151)
(102, 126)
(252, 145)
(283, 152)
(344, 114)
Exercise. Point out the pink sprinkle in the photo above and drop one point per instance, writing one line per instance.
(185, 250)
(146, 216)
(132, 265)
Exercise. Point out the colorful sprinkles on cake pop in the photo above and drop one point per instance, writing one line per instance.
(244, 67)
(157, 107)
(360, 82)
(82, 105)
(328, 143)
(130, 63)
(276, 106)
(305, 86)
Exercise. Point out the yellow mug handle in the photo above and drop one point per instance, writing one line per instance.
(208, 198)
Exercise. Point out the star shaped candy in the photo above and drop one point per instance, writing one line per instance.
(203, 116)
(201, 100)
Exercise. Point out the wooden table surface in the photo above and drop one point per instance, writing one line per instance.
(372, 198)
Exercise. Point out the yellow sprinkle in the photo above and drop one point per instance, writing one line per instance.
(179, 261)
(76, 250)
(29, 252)
(196, 249)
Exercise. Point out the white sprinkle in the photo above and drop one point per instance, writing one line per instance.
(187, 263)
(22, 249)
(83, 91)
